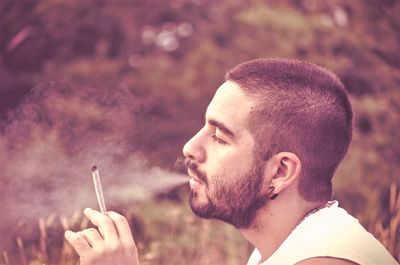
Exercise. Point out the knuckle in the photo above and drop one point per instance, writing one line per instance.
(117, 217)
(90, 230)
(110, 249)
(107, 221)
(101, 250)
(77, 238)
(115, 248)
(120, 218)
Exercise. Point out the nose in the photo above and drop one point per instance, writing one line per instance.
(194, 148)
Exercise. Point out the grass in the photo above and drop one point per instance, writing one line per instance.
(168, 233)
(389, 234)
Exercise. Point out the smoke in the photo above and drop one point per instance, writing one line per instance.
(50, 140)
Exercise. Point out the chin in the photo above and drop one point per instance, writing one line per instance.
(195, 200)
(200, 207)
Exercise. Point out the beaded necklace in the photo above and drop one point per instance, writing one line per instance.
(310, 213)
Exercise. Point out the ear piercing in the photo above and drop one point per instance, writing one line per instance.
(271, 194)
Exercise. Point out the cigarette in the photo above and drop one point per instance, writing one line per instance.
(99, 190)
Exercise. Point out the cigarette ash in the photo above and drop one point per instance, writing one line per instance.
(50, 140)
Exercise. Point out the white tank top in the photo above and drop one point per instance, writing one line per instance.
(330, 232)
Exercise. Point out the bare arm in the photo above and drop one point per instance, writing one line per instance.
(326, 261)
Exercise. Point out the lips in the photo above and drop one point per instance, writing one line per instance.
(193, 176)
(194, 184)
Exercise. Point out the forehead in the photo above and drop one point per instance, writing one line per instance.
(230, 106)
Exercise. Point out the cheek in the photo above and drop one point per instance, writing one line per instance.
(229, 168)
(229, 162)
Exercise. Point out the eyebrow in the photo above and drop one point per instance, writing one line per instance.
(222, 127)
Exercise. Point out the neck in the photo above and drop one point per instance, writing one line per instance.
(274, 223)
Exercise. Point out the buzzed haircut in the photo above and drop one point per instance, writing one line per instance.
(300, 108)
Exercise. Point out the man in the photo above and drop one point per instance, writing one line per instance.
(274, 134)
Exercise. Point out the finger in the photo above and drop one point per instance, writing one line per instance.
(92, 236)
(78, 242)
(104, 224)
(123, 229)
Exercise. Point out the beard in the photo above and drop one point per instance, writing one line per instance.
(236, 202)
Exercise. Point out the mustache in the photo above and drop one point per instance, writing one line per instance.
(188, 164)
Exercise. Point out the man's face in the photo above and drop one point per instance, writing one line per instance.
(226, 176)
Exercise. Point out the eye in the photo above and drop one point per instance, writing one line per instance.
(218, 140)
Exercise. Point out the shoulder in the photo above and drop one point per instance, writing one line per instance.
(326, 261)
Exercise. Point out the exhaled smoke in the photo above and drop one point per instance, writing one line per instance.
(50, 140)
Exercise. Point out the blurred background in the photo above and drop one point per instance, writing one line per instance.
(124, 83)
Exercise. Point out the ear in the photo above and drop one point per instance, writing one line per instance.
(287, 167)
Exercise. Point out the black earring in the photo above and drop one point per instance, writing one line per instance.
(271, 194)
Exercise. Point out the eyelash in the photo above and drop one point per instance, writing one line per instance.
(216, 139)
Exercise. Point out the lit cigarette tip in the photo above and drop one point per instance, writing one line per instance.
(94, 167)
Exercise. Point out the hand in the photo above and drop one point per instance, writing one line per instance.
(110, 243)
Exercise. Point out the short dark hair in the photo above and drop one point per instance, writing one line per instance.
(301, 108)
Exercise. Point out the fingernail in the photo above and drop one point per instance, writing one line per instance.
(67, 233)
(87, 210)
